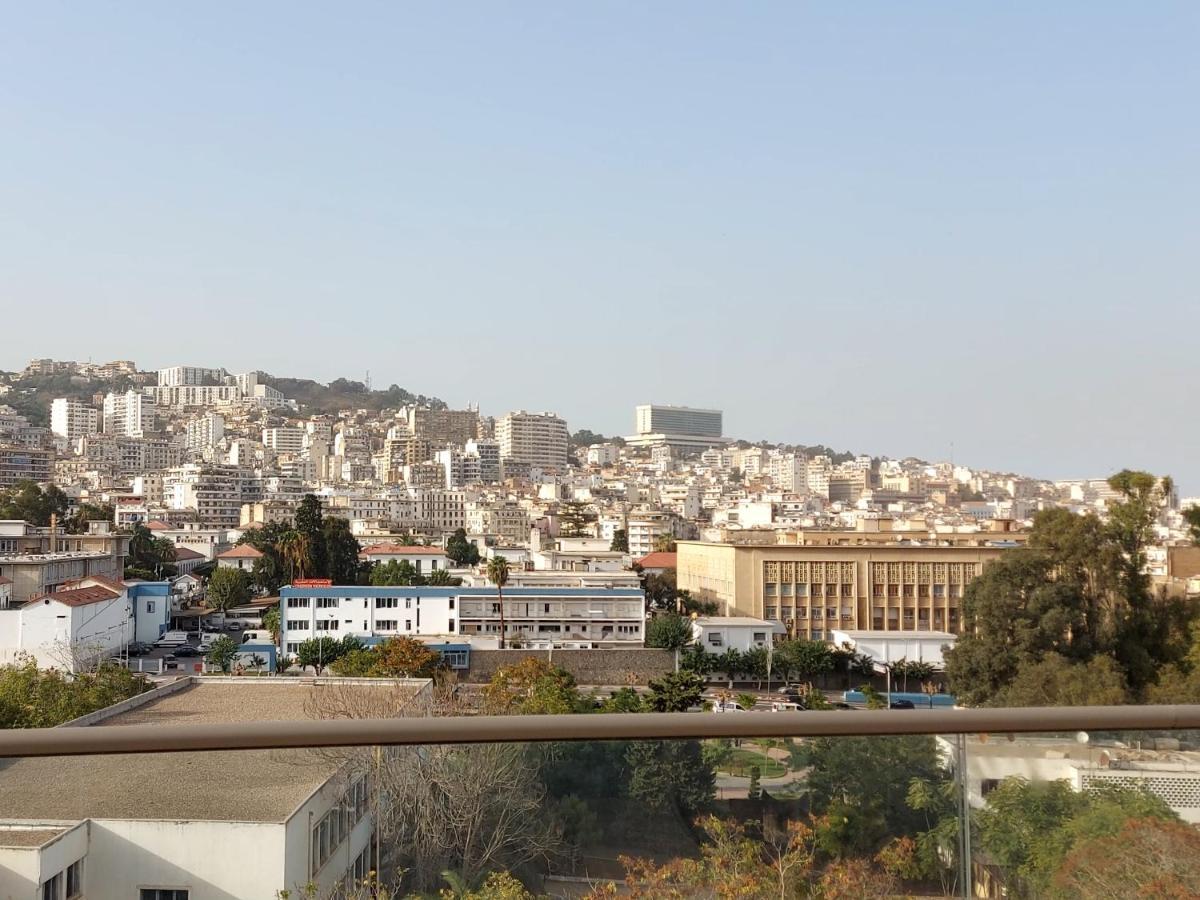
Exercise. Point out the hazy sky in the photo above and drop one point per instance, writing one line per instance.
(886, 227)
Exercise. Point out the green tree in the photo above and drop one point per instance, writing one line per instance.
(296, 551)
(77, 522)
(862, 784)
(1148, 857)
(574, 519)
(442, 578)
(341, 550)
(675, 692)
(695, 658)
(460, 550)
(31, 698)
(624, 700)
(803, 659)
(271, 622)
(1056, 681)
(319, 653)
(620, 541)
(405, 657)
(1191, 516)
(222, 651)
(533, 686)
(396, 573)
(668, 631)
(227, 588)
(34, 504)
(664, 543)
(310, 524)
(497, 573)
(270, 570)
(670, 774)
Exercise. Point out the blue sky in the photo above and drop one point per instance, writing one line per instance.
(886, 227)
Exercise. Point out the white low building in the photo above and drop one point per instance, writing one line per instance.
(591, 617)
(72, 627)
(1084, 763)
(423, 559)
(716, 634)
(891, 646)
(241, 824)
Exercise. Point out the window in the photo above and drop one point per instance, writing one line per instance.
(331, 625)
(327, 603)
(545, 607)
(385, 624)
(75, 880)
(293, 648)
(408, 624)
(386, 602)
(760, 637)
(52, 887)
(715, 640)
(452, 603)
(297, 602)
(408, 602)
(163, 894)
(150, 606)
(297, 625)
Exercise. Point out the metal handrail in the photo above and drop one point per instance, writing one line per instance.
(100, 739)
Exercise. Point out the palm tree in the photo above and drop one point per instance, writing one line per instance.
(296, 549)
(497, 572)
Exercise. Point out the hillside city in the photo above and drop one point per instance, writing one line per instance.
(189, 545)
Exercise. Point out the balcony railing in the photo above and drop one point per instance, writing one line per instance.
(101, 739)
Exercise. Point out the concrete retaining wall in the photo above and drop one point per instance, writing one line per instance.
(634, 666)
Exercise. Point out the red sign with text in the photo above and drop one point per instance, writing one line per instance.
(313, 582)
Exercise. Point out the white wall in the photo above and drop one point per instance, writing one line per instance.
(213, 860)
(23, 869)
(59, 636)
(298, 841)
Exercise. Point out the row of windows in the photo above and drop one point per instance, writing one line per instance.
(67, 884)
(335, 602)
(335, 826)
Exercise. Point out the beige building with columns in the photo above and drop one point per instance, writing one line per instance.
(816, 581)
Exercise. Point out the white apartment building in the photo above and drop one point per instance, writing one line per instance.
(788, 471)
(72, 419)
(533, 439)
(441, 510)
(644, 528)
(819, 471)
(177, 376)
(423, 559)
(506, 518)
(204, 432)
(216, 493)
(683, 499)
(284, 439)
(194, 396)
(481, 461)
(130, 414)
(597, 617)
(603, 454)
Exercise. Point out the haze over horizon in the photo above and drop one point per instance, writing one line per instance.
(885, 229)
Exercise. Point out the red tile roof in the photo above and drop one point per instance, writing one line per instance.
(156, 525)
(78, 596)
(659, 560)
(111, 583)
(401, 549)
(182, 553)
(241, 551)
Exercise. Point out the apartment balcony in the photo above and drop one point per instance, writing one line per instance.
(315, 787)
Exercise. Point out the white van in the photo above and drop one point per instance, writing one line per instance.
(173, 639)
(257, 635)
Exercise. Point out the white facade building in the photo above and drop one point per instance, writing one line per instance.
(716, 634)
(284, 439)
(204, 432)
(130, 414)
(69, 629)
(533, 439)
(71, 419)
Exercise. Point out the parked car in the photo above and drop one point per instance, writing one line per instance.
(783, 706)
(234, 626)
(137, 648)
(724, 706)
(172, 639)
(902, 704)
(186, 650)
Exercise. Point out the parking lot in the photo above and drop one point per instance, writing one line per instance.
(182, 664)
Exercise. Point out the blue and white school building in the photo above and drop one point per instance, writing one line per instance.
(565, 617)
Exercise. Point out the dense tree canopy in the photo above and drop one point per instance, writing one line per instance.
(1077, 593)
(30, 698)
(33, 503)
